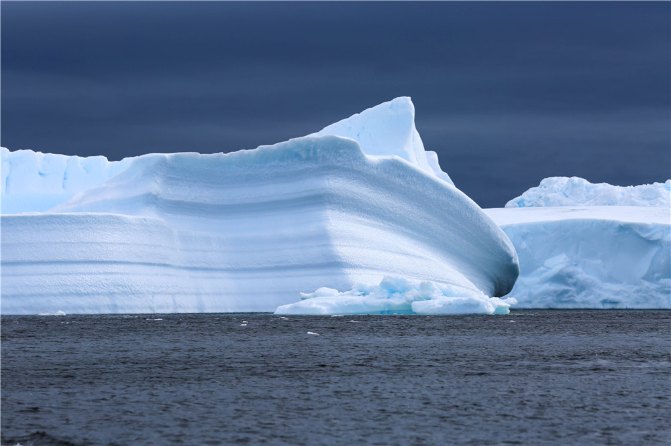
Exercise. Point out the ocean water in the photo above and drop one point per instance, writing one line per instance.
(532, 377)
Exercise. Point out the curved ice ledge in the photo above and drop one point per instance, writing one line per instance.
(248, 231)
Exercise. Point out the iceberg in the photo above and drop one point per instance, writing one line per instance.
(574, 255)
(244, 231)
(576, 191)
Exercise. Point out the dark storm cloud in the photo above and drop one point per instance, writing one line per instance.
(507, 93)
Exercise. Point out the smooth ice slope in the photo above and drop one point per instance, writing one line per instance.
(590, 257)
(36, 182)
(386, 130)
(248, 231)
(575, 191)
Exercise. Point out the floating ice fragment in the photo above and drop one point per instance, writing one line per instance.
(56, 313)
(398, 295)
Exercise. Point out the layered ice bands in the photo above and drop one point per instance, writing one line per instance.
(590, 257)
(249, 230)
(92, 263)
(37, 182)
(575, 191)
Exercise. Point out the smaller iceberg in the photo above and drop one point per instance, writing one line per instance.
(397, 295)
(583, 245)
(575, 191)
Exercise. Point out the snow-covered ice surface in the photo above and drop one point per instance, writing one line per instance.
(386, 130)
(590, 256)
(35, 182)
(575, 191)
(249, 230)
(397, 295)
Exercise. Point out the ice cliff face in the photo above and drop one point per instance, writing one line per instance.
(248, 231)
(574, 255)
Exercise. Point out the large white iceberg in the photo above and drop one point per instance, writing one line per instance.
(577, 256)
(245, 231)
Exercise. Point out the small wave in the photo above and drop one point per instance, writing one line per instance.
(38, 438)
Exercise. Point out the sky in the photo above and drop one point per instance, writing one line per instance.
(505, 93)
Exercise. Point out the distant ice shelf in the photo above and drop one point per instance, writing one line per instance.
(354, 203)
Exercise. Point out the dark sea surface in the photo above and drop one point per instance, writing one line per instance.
(532, 377)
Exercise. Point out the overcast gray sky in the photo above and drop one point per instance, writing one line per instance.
(506, 93)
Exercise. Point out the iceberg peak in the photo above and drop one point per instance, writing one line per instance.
(383, 130)
(386, 130)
